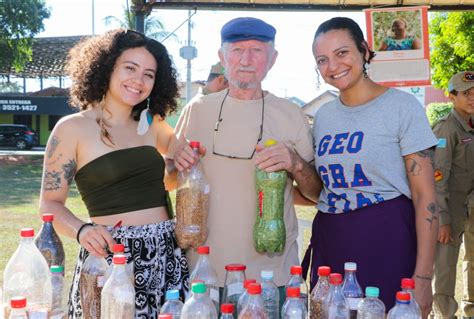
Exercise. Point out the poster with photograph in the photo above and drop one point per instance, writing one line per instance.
(399, 37)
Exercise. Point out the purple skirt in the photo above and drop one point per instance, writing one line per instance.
(380, 238)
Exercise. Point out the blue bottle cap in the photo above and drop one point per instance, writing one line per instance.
(172, 294)
(372, 292)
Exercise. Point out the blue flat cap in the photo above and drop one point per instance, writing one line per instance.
(241, 29)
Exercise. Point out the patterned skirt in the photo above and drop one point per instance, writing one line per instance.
(159, 265)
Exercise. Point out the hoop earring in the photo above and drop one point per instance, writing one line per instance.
(318, 80)
(145, 119)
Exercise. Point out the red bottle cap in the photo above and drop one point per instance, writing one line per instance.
(403, 296)
(165, 316)
(227, 308)
(18, 302)
(324, 271)
(235, 267)
(255, 289)
(119, 260)
(47, 217)
(27, 232)
(203, 250)
(293, 292)
(296, 270)
(247, 282)
(335, 278)
(408, 283)
(194, 144)
(119, 248)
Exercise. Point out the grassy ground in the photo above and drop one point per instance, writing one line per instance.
(20, 179)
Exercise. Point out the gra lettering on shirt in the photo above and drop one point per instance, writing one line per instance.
(337, 176)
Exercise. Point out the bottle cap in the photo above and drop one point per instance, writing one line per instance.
(47, 217)
(408, 283)
(324, 271)
(235, 267)
(18, 302)
(270, 142)
(372, 292)
(247, 282)
(194, 144)
(198, 288)
(119, 259)
(227, 308)
(165, 316)
(56, 269)
(27, 232)
(296, 270)
(203, 250)
(335, 278)
(267, 274)
(349, 266)
(403, 296)
(293, 292)
(254, 289)
(172, 294)
(119, 248)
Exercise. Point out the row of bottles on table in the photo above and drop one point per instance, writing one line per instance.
(335, 299)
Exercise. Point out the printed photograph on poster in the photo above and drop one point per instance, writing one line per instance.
(399, 37)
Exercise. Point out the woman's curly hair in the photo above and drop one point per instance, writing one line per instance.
(92, 61)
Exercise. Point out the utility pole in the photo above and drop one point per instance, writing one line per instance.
(188, 52)
(93, 18)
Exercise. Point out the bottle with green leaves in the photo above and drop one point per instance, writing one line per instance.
(269, 230)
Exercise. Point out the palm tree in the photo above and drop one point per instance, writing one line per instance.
(154, 28)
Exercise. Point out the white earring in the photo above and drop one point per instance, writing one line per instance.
(145, 119)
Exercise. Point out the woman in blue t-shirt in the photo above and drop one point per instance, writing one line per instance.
(373, 152)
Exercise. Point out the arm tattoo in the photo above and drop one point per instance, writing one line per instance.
(432, 209)
(69, 170)
(52, 146)
(429, 152)
(52, 181)
(413, 167)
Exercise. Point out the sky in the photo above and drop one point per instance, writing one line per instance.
(292, 75)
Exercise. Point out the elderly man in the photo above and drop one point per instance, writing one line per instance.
(231, 126)
(216, 80)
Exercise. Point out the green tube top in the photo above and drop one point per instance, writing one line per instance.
(123, 181)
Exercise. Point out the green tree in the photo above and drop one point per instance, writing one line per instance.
(452, 45)
(154, 28)
(20, 21)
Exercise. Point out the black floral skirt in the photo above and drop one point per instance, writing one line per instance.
(159, 265)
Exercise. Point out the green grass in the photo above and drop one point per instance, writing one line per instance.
(19, 193)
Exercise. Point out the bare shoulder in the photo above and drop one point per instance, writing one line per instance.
(163, 133)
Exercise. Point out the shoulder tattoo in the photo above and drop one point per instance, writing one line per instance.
(53, 144)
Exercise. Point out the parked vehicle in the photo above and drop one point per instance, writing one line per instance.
(18, 135)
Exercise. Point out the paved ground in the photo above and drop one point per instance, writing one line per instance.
(6, 151)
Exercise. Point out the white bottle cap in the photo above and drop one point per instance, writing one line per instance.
(266, 274)
(350, 266)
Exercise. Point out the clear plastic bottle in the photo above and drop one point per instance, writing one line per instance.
(49, 243)
(335, 305)
(408, 285)
(227, 311)
(18, 308)
(244, 298)
(57, 282)
(173, 305)
(205, 272)
(119, 249)
(402, 309)
(270, 295)
(118, 295)
(233, 284)
(254, 308)
(296, 280)
(92, 281)
(192, 200)
(294, 306)
(269, 232)
(371, 307)
(319, 293)
(351, 288)
(199, 306)
(27, 274)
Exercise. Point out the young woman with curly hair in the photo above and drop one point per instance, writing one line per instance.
(124, 84)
